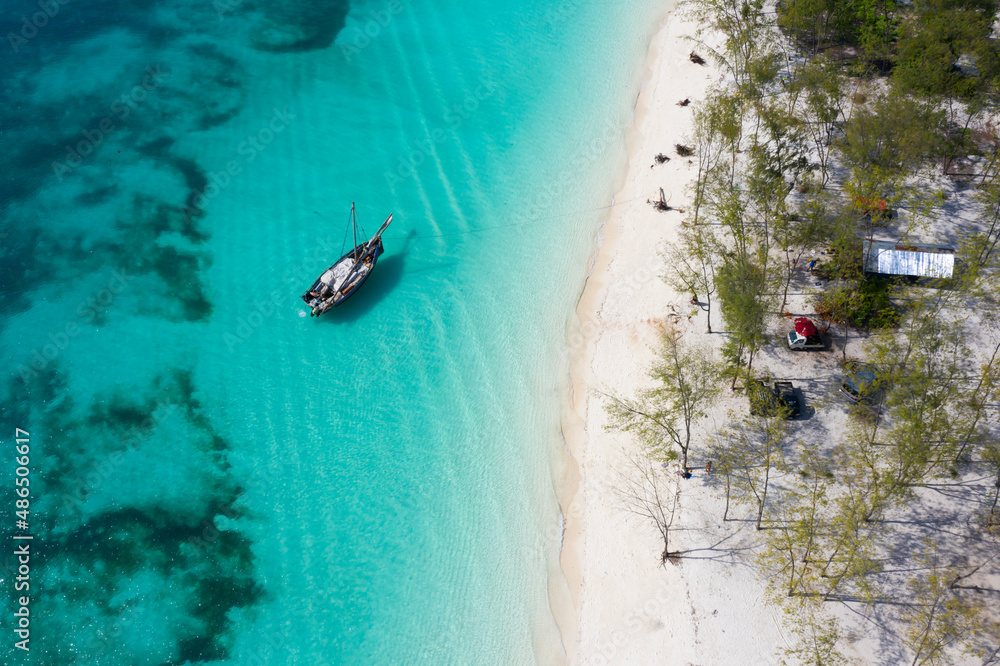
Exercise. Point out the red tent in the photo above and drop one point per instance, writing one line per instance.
(804, 327)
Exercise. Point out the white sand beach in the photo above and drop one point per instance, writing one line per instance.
(707, 608)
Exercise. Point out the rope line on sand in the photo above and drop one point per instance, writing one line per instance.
(517, 224)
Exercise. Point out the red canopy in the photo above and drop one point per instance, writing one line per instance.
(804, 327)
(861, 203)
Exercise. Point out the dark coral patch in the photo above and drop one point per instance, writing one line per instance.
(97, 196)
(89, 561)
(176, 270)
(315, 24)
(20, 267)
(140, 250)
(210, 120)
(215, 570)
(157, 147)
(119, 413)
(196, 181)
(210, 51)
(32, 164)
(178, 387)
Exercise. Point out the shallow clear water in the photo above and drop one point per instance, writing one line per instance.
(215, 476)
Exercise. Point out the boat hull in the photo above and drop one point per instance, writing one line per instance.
(347, 292)
(356, 275)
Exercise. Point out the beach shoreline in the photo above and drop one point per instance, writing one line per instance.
(585, 327)
(564, 601)
(624, 605)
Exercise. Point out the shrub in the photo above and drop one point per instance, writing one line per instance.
(865, 304)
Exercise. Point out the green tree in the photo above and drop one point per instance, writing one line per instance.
(886, 140)
(748, 453)
(982, 244)
(933, 39)
(748, 52)
(792, 548)
(852, 549)
(946, 51)
(938, 617)
(691, 265)
(816, 635)
(816, 24)
(818, 90)
(747, 303)
(869, 25)
(777, 154)
(797, 233)
(723, 117)
(938, 391)
(662, 417)
(991, 456)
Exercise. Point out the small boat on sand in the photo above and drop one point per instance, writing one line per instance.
(347, 274)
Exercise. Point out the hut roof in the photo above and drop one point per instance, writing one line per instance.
(889, 258)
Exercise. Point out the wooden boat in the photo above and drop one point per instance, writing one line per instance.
(347, 274)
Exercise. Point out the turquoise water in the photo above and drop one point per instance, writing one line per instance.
(218, 479)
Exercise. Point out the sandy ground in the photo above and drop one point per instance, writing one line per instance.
(708, 608)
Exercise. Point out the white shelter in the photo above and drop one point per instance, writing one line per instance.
(888, 258)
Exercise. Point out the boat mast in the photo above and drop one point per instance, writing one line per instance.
(354, 222)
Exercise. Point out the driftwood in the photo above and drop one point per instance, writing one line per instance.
(696, 59)
(659, 159)
(684, 102)
(662, 205)
(683, 151)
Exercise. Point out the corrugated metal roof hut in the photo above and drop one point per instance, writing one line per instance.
(888, 258)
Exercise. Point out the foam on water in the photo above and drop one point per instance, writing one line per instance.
(219, 478)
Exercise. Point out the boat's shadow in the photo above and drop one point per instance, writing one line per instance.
(386, 276)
